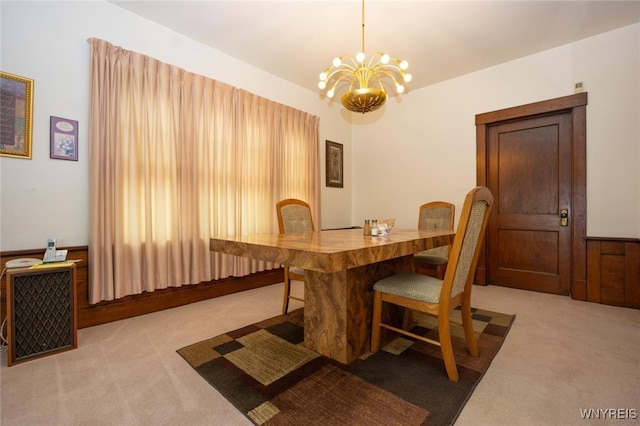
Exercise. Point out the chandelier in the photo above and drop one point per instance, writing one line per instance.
(363, 80)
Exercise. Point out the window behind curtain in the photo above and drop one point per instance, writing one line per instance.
(176, 158)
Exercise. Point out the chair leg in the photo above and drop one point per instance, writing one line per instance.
(447, 348)
(440, 269)
(375, 322)
(287, 289)
(406, 319)
(467, 324)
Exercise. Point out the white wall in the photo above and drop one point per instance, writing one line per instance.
(425, 142)
(418, 147)
(46, 41)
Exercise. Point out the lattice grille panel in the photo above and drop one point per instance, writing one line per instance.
(42, 314)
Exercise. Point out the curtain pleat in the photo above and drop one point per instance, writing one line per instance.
(176, 158)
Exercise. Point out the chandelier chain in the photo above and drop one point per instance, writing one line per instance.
(363, 27)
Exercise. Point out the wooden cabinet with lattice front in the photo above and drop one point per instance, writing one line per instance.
(41, 311)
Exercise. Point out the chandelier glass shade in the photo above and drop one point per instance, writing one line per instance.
(364, 80)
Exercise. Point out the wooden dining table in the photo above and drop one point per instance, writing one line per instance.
(341, 267)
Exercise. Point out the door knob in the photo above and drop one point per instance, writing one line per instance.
(564, 217)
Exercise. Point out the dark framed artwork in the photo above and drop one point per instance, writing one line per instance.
(64, 139)
(335, 169)
(16, 112)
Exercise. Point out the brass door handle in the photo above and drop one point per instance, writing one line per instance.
(564, 217)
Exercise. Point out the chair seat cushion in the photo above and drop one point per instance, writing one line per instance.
(296, 270)
(422, 257)
(412, 285)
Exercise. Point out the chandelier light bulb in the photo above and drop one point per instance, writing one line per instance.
(363, 85)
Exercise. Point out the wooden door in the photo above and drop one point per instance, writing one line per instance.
(529, 244)
(533, 159)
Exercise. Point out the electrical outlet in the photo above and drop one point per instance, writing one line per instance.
(578, 88)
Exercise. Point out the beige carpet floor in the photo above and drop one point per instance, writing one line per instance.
(561, 356)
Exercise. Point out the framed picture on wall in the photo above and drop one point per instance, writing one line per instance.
(335, 169)
(64, 139)
(16, 110)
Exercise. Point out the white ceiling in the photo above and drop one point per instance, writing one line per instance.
(296, 40)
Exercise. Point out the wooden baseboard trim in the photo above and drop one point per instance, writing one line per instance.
(158, 300)
(141, 304)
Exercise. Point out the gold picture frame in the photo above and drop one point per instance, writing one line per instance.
(335, 168)
(16, 115)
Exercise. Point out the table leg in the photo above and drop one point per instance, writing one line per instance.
(338, 308)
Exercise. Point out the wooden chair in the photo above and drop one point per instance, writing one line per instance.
(438, 297)
(294, 216)
(436, 215)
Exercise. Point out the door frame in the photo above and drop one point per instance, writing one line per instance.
(576, 105)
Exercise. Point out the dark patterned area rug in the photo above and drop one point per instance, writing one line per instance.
(265, 371)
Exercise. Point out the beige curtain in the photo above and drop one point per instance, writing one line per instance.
(176, 158)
